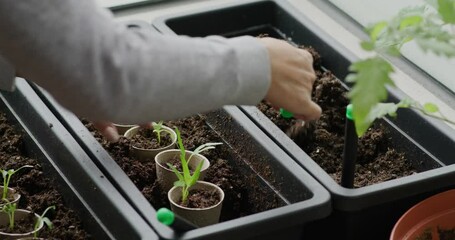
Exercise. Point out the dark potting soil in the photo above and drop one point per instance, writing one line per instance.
(147, 139)
(24, 225)
(202, 198)
(442, 234)
(243, 194)
(377, 160)
(37, 190)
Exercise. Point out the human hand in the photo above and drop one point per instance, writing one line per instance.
(108, 130)
(292, 79)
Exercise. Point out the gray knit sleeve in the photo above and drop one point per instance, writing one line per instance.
(7, 74)
(101, 70)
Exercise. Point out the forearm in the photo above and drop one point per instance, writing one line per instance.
(101, 70)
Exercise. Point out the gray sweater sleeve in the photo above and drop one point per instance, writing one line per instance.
(99, 69)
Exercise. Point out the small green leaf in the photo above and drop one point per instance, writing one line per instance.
(447, 10)
(367, 46)
(430, 108)
(377, 29)
(410, 21)
(48, 222)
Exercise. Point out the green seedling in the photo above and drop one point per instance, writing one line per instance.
(186, 180)
(431, 27)
(43, 219)
(10, 208)
(158, 128)
(7, 174)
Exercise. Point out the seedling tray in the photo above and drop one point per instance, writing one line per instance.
(104, 213)
(366, 212)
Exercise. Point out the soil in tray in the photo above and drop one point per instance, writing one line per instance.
(37, 190)
(377, 160)
(243, 194)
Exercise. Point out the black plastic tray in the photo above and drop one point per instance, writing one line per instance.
(104, 213)
(363, 213)
(304, 198)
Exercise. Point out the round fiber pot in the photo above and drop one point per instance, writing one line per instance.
(142, 153)
(18, 215)
(11, 192)
(426, 217)
(200, 217)
(122, 128)
(166, 177)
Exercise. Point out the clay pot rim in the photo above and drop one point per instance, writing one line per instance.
(395, 233)
(198, 209)
(166, 129)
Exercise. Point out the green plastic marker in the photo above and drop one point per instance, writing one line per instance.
(168, 218)
(286, 114)
(349, 150)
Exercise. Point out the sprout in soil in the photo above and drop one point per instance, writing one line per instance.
(43, 219)
(7, 177)
(10, 208)
(186, 180)
(158, 128)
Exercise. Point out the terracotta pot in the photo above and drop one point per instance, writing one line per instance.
(143, 154)
(18, 215)
(200, 217)
(10, 192)
(166, 177)
(431, 213)
(31, 238)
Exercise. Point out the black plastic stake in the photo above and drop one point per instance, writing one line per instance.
(167, 217)
(349, 150)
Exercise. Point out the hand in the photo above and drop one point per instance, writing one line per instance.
(292, 79)
(108, 130)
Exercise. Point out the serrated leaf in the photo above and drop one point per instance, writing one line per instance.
(446, 9)
(430, 108)
(383, 109)
(367, 46)
(437, 47)
(410, 21)
(371, 76)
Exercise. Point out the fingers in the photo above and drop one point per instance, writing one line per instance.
(292, 79)
(312, 112)
(108, 130)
